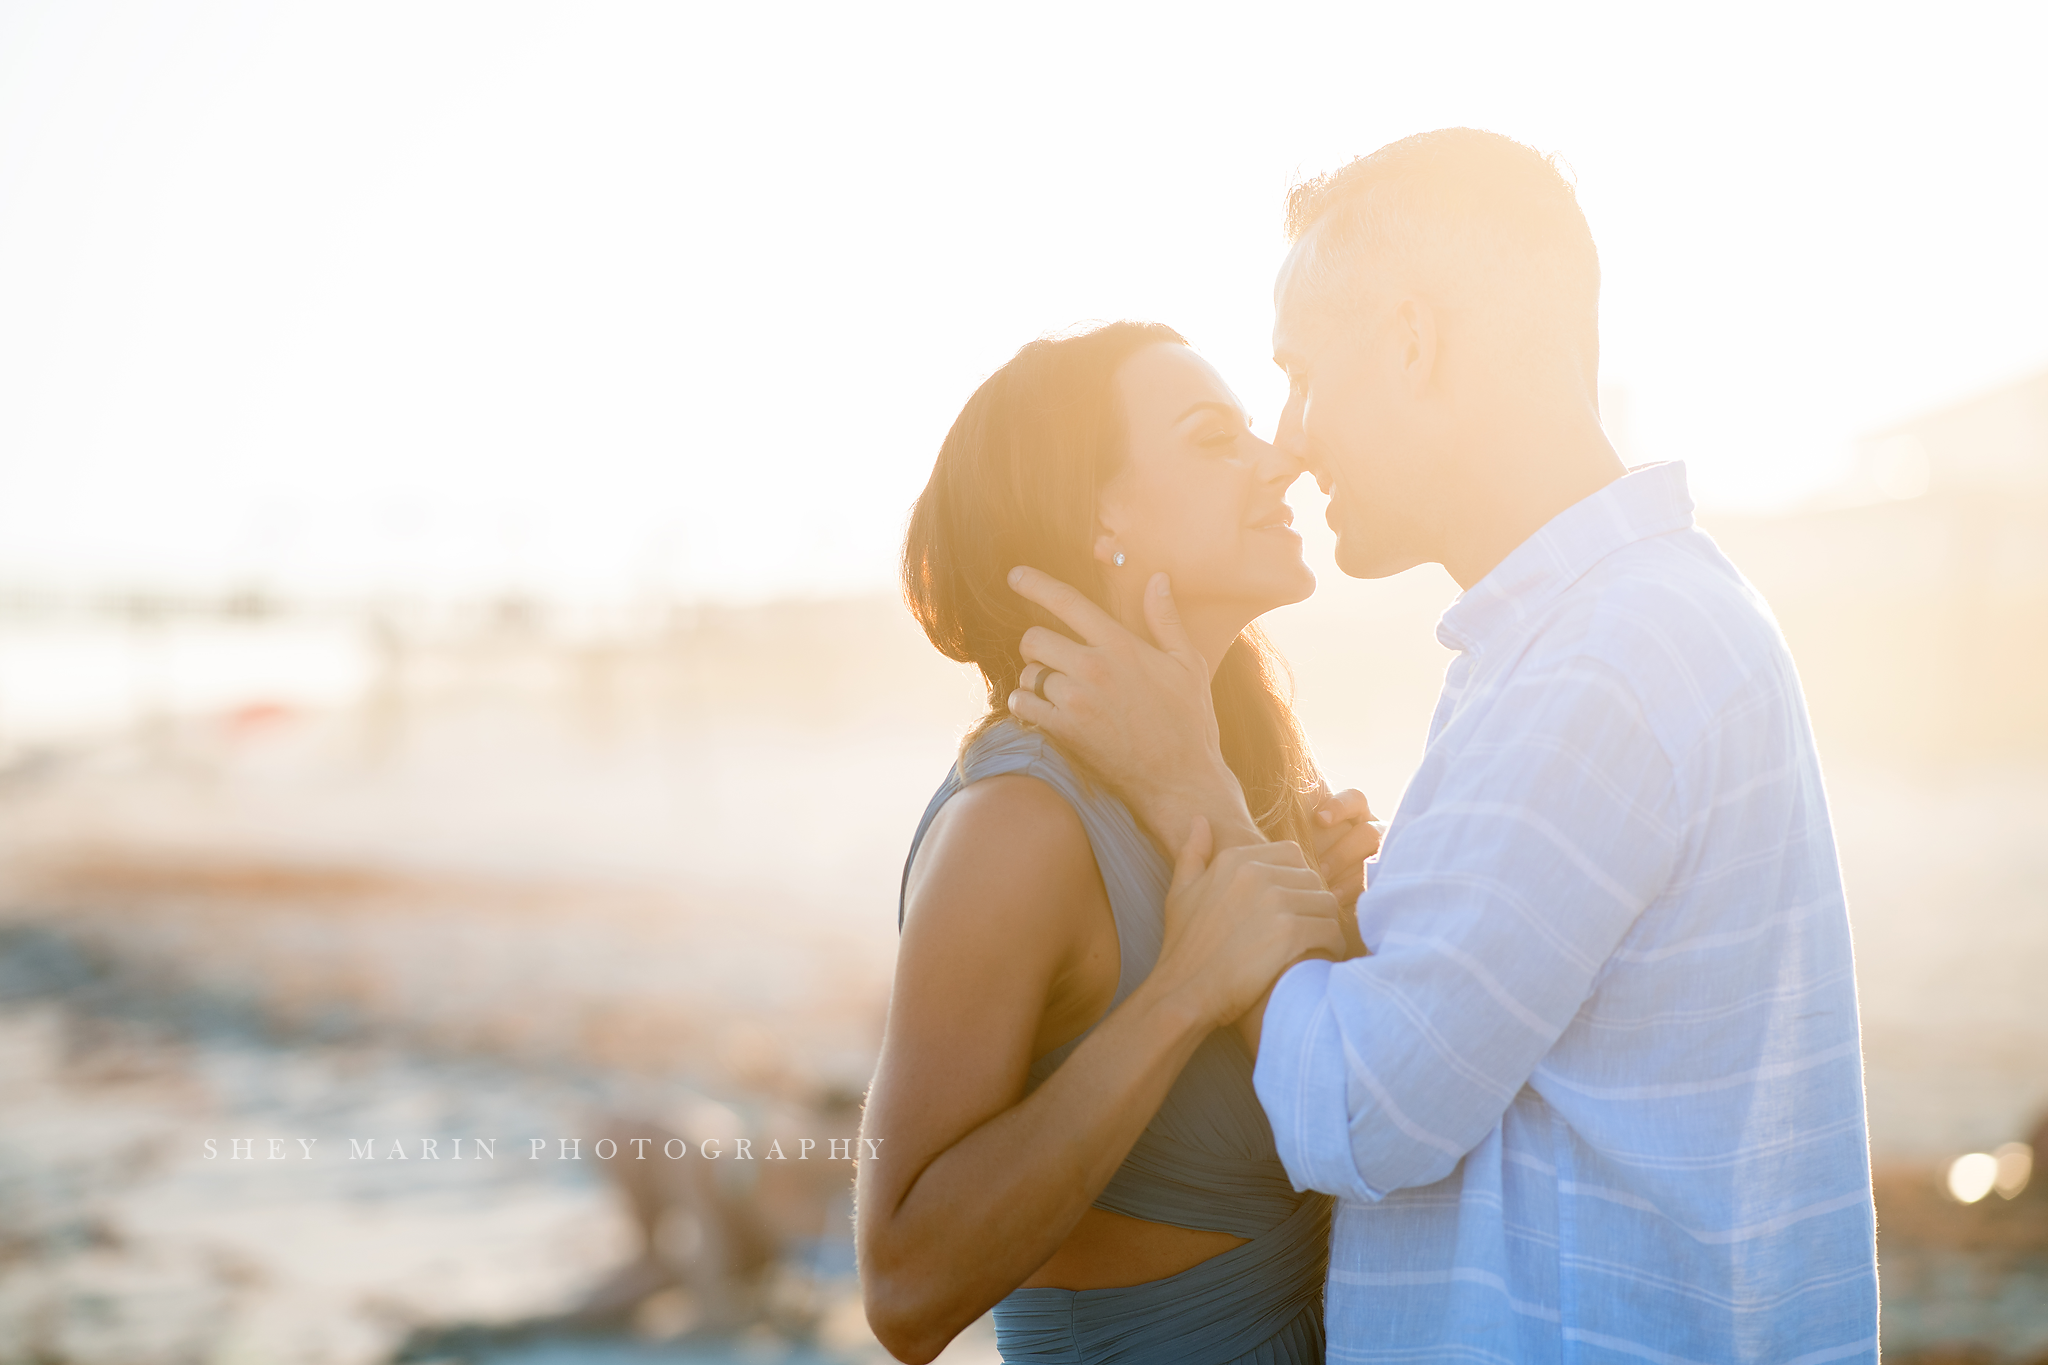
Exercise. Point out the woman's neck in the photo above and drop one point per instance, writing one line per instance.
(1214, 638)
(1211, 627)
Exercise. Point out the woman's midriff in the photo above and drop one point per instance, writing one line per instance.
(1108, 1250)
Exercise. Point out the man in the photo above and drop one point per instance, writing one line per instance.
(1596, 1094)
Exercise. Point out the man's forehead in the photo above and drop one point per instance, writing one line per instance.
(1285, 279)
(1290, 311)
(1296, 314)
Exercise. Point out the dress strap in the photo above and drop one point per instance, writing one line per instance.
(1135, 874)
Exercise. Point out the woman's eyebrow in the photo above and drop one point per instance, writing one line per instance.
(1228, 409)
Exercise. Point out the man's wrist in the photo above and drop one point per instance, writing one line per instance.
(1169, 812)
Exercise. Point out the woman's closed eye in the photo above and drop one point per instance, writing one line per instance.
(1221, 436)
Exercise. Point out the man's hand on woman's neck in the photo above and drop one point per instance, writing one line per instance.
(1138, 712)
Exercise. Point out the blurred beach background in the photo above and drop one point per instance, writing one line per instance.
(451, 685)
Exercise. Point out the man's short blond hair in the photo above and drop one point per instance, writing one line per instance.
(1479, 218)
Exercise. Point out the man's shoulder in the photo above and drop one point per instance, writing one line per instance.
(1681, 577)
(1689, 636)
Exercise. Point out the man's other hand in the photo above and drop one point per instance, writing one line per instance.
(1346, 834)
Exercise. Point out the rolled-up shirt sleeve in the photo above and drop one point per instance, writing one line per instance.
(1490, 913)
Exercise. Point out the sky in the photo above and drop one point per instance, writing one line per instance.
(604, 300)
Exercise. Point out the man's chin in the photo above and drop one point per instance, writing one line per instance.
(1361, 558)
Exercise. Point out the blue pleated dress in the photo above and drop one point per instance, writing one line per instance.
(1206, 1160)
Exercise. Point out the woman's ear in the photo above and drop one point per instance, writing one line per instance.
(1109, 518)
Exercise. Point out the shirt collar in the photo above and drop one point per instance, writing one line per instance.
(1649, 500)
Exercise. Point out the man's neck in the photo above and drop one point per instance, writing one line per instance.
(1525, 477)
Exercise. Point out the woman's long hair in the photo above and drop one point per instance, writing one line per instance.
(1016, 483)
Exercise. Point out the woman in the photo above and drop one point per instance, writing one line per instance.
(1066, 1124)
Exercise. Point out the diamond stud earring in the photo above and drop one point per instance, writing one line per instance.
(1119, 560)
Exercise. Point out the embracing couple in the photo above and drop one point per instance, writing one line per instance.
(1186, 1061)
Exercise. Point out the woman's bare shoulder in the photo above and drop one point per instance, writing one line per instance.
(1007, 842)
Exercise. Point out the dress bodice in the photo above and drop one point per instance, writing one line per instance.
(1206, 1160)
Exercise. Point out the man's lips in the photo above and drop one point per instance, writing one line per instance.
(1281, 519)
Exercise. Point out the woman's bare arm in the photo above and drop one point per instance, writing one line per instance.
(976, 1185)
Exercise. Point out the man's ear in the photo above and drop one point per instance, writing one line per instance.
(1415, 324)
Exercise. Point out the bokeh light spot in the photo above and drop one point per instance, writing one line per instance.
(2015, 1168)
(1972, 1177)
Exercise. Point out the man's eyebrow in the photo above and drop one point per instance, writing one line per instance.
(1227, 409)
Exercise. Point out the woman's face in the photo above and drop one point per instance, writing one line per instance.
(1198, 496)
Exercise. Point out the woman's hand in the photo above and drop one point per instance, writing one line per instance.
(983, 1179)
(1234, 924)
(1346, 835)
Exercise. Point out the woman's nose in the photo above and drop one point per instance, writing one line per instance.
(1278, 464)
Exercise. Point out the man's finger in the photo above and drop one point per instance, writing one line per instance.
(1070, 605)
(1056, 651)
(1349, 804)
(1032, 709)
(1348, 842)
(1057, 687)
(1162, 616)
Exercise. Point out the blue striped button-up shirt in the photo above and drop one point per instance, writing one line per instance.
(1597, 1095)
